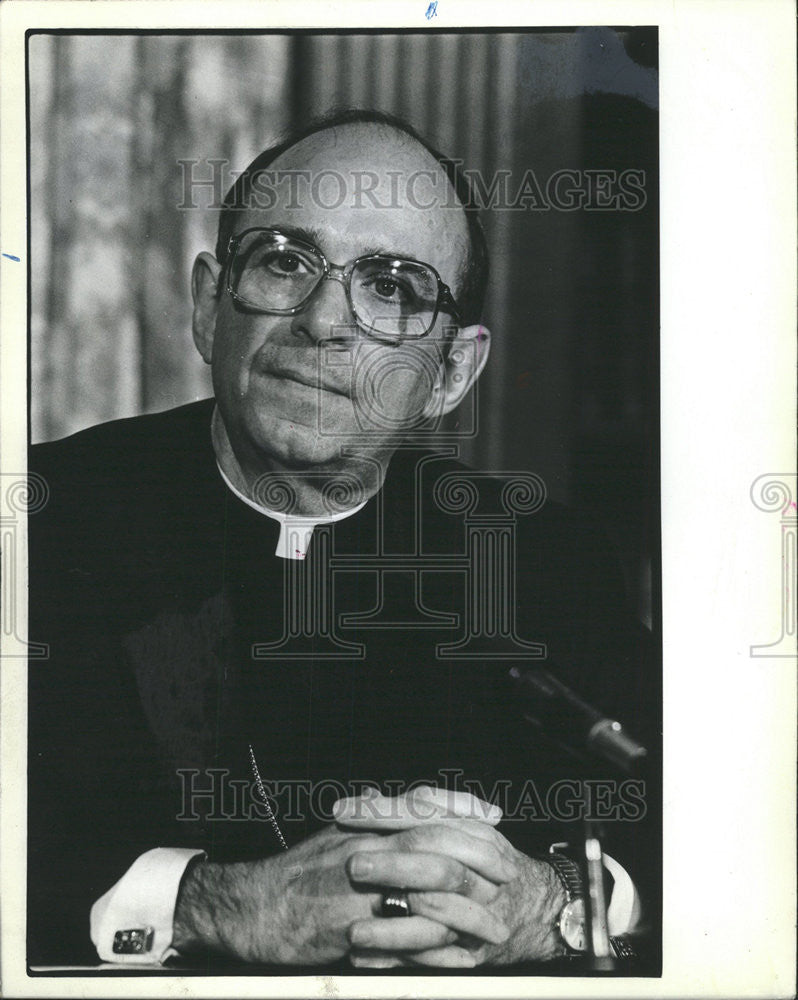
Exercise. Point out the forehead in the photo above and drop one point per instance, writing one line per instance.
(364, 189)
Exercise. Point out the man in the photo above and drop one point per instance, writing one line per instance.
(206, 579)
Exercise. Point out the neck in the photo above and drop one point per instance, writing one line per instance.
(287, 490)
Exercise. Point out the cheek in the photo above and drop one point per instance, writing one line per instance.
(238, 339)
(392, 386)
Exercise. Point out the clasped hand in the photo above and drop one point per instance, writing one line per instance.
(473, 897)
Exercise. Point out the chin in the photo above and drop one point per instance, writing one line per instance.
(295, 446)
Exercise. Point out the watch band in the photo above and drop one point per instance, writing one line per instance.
(623, 947)
(569, 874)
(570, 922)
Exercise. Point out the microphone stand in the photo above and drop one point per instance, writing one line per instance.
(600, 951)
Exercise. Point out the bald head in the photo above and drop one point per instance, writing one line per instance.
(362, 189)
(351, 162)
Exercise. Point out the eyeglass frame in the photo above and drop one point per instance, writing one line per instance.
(342, 273)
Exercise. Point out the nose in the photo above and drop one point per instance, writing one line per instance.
(327, 315)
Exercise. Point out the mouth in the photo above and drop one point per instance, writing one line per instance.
(307, 379)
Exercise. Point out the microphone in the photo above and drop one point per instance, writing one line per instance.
(566, 717)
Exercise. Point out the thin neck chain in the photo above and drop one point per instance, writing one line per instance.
(262, 791)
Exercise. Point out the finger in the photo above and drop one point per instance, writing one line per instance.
(417, 870)
(486, 857)
(475, 829)
(452, 803)
(400, 933)
(422, 805)
(444, 910)
(375, 960)
(460, 914)
(450, 956)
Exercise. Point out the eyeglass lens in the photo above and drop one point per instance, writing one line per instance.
(393, 297)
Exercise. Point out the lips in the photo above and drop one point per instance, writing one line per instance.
(308, 379)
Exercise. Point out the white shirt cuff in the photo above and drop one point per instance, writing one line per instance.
(624, 909)
(143, 900)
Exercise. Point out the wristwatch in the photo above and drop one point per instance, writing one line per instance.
(571, 924)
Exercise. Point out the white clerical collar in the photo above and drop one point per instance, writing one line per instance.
(295, 532)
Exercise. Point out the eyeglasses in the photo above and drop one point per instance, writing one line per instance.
(391, 298)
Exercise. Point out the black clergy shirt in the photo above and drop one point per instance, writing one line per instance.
(177, 638)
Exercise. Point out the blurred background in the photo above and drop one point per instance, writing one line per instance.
(571, 390)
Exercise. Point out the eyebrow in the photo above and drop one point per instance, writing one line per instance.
(308, 235)
(312, 235)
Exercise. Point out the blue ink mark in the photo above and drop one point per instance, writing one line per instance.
(11, 257)
(431, 10)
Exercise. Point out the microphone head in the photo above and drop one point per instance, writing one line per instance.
(573, 722)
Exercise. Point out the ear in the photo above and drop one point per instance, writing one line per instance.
(204, 291)
(468, 354)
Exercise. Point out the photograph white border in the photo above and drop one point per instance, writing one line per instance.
(728, 352)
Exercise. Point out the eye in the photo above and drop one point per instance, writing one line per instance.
(287, 262)
(390, 288)
(284, 262)
(385, 287)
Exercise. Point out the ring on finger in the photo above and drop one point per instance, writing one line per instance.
(395, 904)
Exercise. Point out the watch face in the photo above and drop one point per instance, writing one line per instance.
(573, 925)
